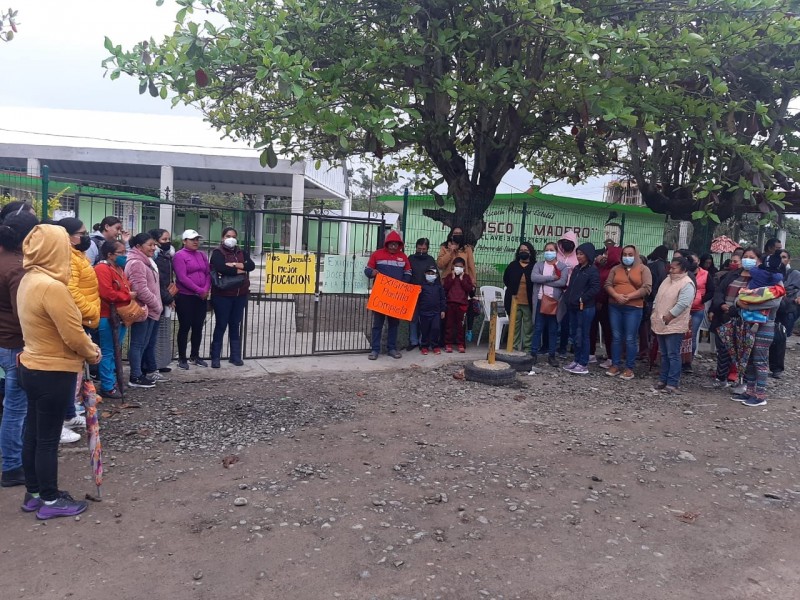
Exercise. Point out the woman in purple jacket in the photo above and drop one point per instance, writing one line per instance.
(142, 272)
(193, 278)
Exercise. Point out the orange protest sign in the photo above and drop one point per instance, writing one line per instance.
(393, 298)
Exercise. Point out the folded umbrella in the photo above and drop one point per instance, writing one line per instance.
(89, 400)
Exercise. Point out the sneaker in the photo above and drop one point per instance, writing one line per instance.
(112, 394)
(198, 361)
(65, 506)
(613, 372)
(469, 336)
(753, 401)
(165, 370)
(394, 354)
(687, 368)
(627, 375)
(668, 389)
(776, 374)
(592, 359)
(236, 362)
(461, 349)
(423, 351)
(606, 364)
(410, 347)
(534, 359)
(30, 503)
(183, 364)
(579, 370)
(157, 377)
(720, 385)
(740, 397)
(739, 389)
(437, 350)
(76, 421)
(551, 360)
(141, 382)
(80, 409)
(562, 355)
(68, 436)
(448, 348)
(215, 363)
(659, 386)
(13, 477)
(373, 356)
(571, 366)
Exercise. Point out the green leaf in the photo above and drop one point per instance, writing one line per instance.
(163, 93)
(698, 215)
(388, 139)
(272, 158)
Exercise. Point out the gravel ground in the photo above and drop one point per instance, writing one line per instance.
(414, 483)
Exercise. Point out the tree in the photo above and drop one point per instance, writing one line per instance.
(688, 97)
(367, 184)
(8, 19)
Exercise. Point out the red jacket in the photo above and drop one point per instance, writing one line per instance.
(113, 287)
(458, 289)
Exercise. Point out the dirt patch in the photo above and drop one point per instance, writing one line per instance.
(416, 484)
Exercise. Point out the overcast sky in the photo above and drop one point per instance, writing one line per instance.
(55, 62)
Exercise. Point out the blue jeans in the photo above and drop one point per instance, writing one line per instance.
(15, 407)
(413, 330)
(580, 324)
(624, 325)
(377, 329)
(228, 314)
(149, 364)
(141, 334)
(697, 320)
(541, 324)
(670, 346)
(108, 368)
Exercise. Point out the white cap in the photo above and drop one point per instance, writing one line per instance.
(190, 234)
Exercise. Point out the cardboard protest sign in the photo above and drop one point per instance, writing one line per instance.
(393, 298)
(290, 274)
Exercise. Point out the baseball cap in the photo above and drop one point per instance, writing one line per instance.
(190, 234)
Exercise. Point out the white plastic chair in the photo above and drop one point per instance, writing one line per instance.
(489, 294)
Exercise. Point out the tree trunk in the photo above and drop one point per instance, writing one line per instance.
(471, 202)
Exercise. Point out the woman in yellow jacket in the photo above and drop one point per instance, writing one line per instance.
(83, 289)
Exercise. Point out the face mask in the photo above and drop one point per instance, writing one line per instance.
(458, 270)
(230, 243)
(549, 255)
(422, 253)
(627, 260)
(430, 278)
(166, 247)
(84, 244)
(524, 255)
(748, 263)
(693, 267)
(567, 247)
(121, 261)
(458, 239)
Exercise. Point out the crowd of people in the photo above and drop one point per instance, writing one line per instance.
(641, 308)
(68, 300)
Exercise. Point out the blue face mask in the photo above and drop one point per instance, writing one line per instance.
(549, 255)
(749, 263)
(121, 261)
(430, 278)
(627, 260)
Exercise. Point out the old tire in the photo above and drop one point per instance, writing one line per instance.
(481, 371)
(519, 361)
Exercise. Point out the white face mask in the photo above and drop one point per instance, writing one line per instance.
(230, 243)
(458, 270)
(430, 278)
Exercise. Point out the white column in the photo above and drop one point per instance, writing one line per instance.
(683, 234)
(166, 213)
(34, 168)
(781, 235)
(298, 205)
(259, 222)
(344, 226)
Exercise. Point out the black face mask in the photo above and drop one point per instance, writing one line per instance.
(84, 244)
(524, 255)
(458, 239)
(567, 246)
(165, 247)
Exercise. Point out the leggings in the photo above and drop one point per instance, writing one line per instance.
(191, 316)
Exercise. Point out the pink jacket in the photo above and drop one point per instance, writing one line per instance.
(192, 273)
(143, 276)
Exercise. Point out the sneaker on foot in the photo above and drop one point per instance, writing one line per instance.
(579, 370)
(65, 506)
(157, 377)
(659, 386)
(669, 389)
(165, 370)
(753, 401)
(461, 349)
(76, 421)
(551, 360)
(68, 436)
(592, 359)
(183, 364)
(31, 503)
(373, 356)
(739, 389)
(437, 350)
(613, 372)
(562, 355)
(776, 374)
(394, 354)
(141, 382)
(198, 361)
(720, 385)
(606, 364)
(570, 366)
(13, 477)
(423, 351)
(410, 347)
(112, 394)
(740, 397)
(627, 375)
(448, 348)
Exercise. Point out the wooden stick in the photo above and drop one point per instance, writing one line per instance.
(512, 325)
(492, 332)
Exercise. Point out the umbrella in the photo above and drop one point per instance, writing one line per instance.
(115, 325)
(739, 338)
(89, 399)
(723, 244)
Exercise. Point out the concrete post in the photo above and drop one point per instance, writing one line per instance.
(166, 212)
(781, 235)
(298, 206)
(259, 224)
(683, 234)
(34, 168)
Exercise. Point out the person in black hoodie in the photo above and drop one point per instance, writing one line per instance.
(420, 261)
(516, 272)
(584, 284)
(431, 308)
(168, 289)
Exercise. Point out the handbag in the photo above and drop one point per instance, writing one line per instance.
(131, 313)
(227, 282)
(548, 305)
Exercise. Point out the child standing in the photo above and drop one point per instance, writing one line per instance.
(431, 308)
(458, 286)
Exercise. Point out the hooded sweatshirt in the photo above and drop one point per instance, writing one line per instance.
(396, 266)
(569, 258)
(83, 287)
(584, 282)
(50, 320)
(635, 281)
(142, 272)
(419, 264)
(613, 258)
